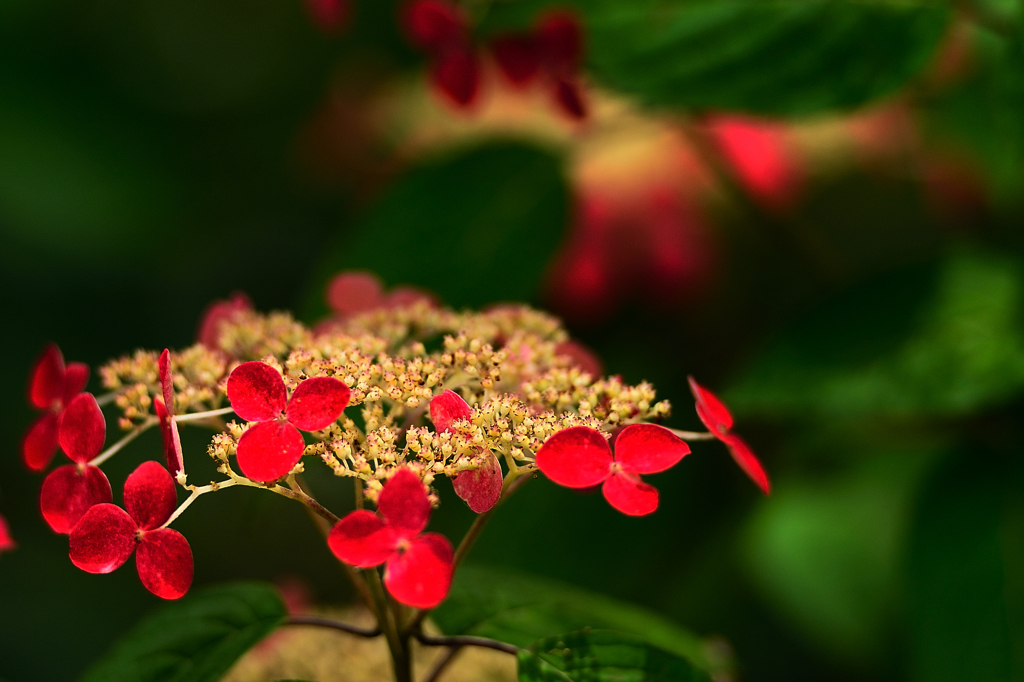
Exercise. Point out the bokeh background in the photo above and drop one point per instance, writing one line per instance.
(814, 208)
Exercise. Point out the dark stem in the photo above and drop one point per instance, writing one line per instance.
(333, 624)
(466, 640)
(442, 664)
(398, 645)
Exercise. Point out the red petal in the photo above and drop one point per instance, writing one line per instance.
(577, 457)
(149, 495)
(75, 379)
(748, 461)
(362, 539)
(166, 385)
(316, 403)
(103, 539)
(518, 57)
(7, 542)
(569, 97)
(432, 24)
(40, 442)
(560, 38)
(404, 503)
(67, 494)
(172, 441)
(46, 383)
(761, 158)
(269, 450)
(421, 575)
(446, 408)
(82, 428)
(480, 488)
(164, 560)
(256, 391)
(349, 293)
(404, 297)
(330, 16)
(216, 315)
(711, 410)
(630, 495)
(581, 357)
(456, 73)
(648, 449)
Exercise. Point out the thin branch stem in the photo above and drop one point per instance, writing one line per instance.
(442, 664)
(317, 621)
(196, 492)
(127, 438)
(466, 640)
(399, 653)
(106, 398)
(199, 416)
(694, 435)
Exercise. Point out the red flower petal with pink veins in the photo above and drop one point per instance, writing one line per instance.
(362, 539)
(569, 97)
(404, 503)
(7, 542)
(218, 314)
(560, 39)
(578, 457)
(648, 449)
(421, 575)
(103, 540)
(82, 428)
(69, 492)
(166, 384)
(349, 293)
(46, 383)
(480, 488)
(748, 461)
(171, 438)
(630, 495)
(448, 408)
(518, 57)
(149, 495)
(433, 24)
(40, 442)
(456, 73)
(256, 391)
(75, 379)
(316, 403)
(164, 561)
(269, 450)
(711, 410)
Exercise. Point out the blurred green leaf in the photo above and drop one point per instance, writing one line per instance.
(520, 609)
(785, 57)
(943, 339)
(602, 656)
(196, 639)
(476, 228)
(966, 571)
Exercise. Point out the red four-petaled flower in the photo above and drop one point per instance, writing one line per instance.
(7, 542)
(717, 418)
(481, 487)
(165, 415)
(107, 535)
(51, 387)
(69, 491)
(440, 28)
(417, 566)
(269, 450)
(580, 457)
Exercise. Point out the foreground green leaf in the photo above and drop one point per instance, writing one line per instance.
(196, 639)
(603, 656)
(520, 609)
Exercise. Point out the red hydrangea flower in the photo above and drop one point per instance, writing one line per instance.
(219, 313)
(440, 28)
(165, 414)
(717, 418)
(761, 158)
(51, 386)
(107, 535)
(69, 491)
(330, 16)
(580, 457)
(417, 566)
(7, 543)
(480, 488)
(269, 450)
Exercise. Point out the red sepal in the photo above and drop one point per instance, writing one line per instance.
(40, 442)
(518, 57)
(711, 410)
(103, 540)
(447, 408)
(256, 391)
(46, 382)
(218, 314)
(456, 74)
(748, 461)
(404, 297)
(404, 503)
(581, 357)
(316, 403)
(630, 495)
(560, 39)
(68, 492)
(330, 16)
(433, 24)
(269, 450)
(164, 562)
(578, 457)
(171, 438)
(569, 97)
(149, 495)
(7, 542)
(480, 488)
(75, 379)
(362, 539)
(82, 428)
(648, 449)
(420, 575)
(349, 293)
(166, 384)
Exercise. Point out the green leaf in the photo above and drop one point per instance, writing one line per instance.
(788, 57)
(476, 227)
(520, 609)
(940, 339)
(196, 639)
(603, 656)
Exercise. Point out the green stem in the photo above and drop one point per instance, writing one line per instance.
(399, 653)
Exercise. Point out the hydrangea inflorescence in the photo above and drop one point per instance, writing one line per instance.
(393, 392)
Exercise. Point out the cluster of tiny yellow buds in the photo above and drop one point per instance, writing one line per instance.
(134, 402)
(473, 358)
(252, 336)
(608, 400)
(222, 446)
